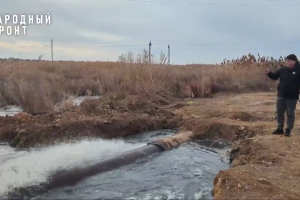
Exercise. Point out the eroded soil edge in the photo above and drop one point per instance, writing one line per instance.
(263, 165)
(105, 118)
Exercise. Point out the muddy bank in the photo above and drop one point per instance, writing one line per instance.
(105, 118)
(262, 165)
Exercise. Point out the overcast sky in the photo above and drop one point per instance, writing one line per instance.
(197, 33)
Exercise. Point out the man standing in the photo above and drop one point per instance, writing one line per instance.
(287, 93)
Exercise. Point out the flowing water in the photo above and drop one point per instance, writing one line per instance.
(77, 101)
(183, 173)
(11, 110)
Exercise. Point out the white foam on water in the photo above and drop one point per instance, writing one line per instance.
(10, 111)
(33, 168)
(199, 195)
(78, 100)
(178, 194)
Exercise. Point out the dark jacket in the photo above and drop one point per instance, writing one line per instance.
(289, 81)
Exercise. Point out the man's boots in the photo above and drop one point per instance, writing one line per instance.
(278, 131)
(287, 132)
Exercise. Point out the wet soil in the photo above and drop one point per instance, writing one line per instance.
(263, 166)
(104, 117)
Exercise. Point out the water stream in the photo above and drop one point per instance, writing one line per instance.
(183, 173)
(11, 110)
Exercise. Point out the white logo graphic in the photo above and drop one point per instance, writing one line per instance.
(14, 24)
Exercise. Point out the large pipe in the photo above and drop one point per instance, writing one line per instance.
(71, 177)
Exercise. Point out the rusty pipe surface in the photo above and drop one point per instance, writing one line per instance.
(71, 177)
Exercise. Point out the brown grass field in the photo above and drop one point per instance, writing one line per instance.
(37, 86)
(232, 101)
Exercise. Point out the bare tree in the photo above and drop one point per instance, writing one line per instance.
(40, 57)
(163, 58)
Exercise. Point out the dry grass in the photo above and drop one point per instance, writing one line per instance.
(38, 86)
(65, 105)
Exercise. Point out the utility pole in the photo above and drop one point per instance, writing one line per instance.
(52, 49)
(19, 55)
(169, 54)
(150, 52)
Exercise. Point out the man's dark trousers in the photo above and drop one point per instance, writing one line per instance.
(288, 105)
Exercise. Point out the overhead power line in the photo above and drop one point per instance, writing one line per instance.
(204, 46)
(296, 42)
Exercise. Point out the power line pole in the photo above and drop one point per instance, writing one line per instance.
(169, 54)
(52, 49)
(150, 52)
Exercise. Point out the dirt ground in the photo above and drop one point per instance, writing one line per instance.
(263, 166)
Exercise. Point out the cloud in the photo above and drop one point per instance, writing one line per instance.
(202, 33)
(61, 53)
(100, 36)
